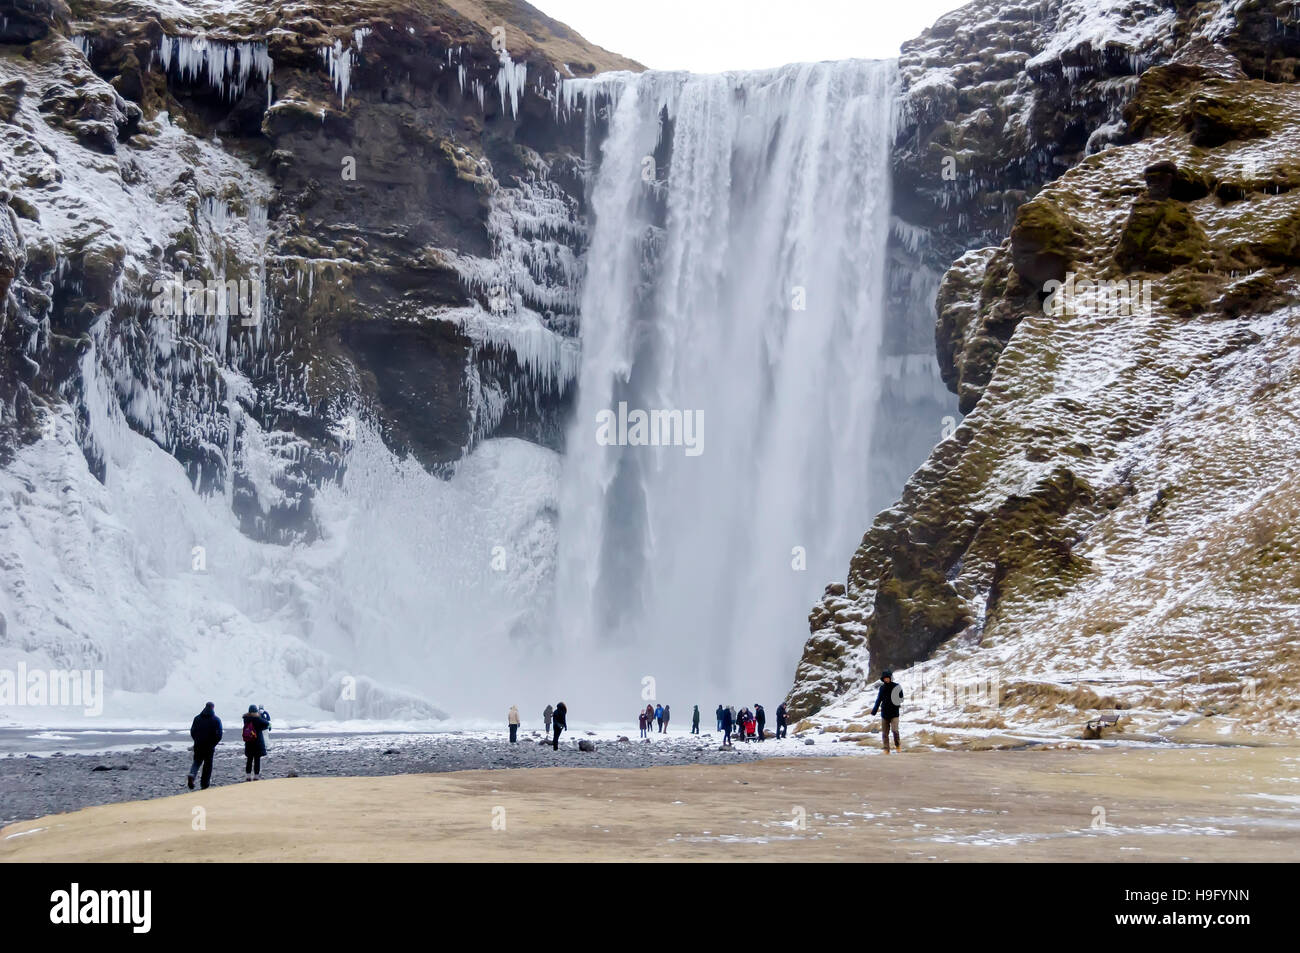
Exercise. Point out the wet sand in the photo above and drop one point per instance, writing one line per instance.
(1115, 804)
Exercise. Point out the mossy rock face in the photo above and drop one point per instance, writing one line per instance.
(1215, 116)
(914, 614)
(1159, 105)
(1043, 242)
(1159, 236)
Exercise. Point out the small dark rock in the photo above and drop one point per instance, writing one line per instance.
(1160, 178)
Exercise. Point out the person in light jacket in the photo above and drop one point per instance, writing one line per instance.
(512, 719)
(546, 717)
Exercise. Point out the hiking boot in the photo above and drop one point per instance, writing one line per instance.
(248, 777)
(257, 777)
(190, 779)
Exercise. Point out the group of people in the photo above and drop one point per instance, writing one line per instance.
(660, 715)
(206, 732)
(748, 724)
(555, 717)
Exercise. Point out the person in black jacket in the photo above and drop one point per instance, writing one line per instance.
(760, 716)
(888, 701)
(726, 726)
(561, 721)
(718, 713)
(206, 732)
(256, 721)
(781, 720)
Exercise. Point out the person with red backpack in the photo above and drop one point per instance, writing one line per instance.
(256, 721)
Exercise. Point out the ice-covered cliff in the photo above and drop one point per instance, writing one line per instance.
(242, 243)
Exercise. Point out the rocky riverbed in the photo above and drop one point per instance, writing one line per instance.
(33, 785)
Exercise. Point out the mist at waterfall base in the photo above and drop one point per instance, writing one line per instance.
(741, 280)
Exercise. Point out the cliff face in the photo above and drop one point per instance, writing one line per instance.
(1111, 524)
(393, 182)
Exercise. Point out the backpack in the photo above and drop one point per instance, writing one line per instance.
(250, 731)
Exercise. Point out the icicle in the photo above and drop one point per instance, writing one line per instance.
(511, 78)
(225, 66)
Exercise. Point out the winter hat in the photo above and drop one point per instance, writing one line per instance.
(209, 706)
(887, 673)
(252, 709)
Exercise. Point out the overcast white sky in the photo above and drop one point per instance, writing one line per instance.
(709, 36)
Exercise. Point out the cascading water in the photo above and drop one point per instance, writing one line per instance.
(735, 273)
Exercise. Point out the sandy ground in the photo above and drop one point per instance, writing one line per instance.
(1126, 804)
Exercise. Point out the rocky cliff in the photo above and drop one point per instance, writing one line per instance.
(394, 183)
(1113, 522)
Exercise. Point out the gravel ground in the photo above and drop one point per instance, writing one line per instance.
(33, 786)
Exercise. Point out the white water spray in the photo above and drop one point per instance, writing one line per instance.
(736, 270)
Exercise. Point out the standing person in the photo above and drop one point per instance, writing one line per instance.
(640, 717)
(547, 712)
(512, 719)
(667, 714)
(206, 732)
(659, 717)
(760, 717)
(559, 718)
(650, 717)
(726, 725)
(695, 721)
(889, 701)
(718, 713)
(780, 720)
(255, 723)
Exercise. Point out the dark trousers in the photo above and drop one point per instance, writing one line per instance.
(555, 745)
(253, 763)
(760, 730)
(780, 729)
(203, 759)
(513, 731)
(726, 734)
(695, 727)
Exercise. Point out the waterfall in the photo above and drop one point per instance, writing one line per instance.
(732, 290)
(736, 274)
